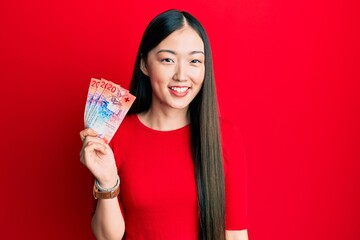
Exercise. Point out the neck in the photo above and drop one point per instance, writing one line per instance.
(165, 120)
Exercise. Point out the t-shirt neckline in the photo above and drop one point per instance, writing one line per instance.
(142, 125)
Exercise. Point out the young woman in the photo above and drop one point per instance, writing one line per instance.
(181, 168)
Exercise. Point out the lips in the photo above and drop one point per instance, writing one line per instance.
(179, 90)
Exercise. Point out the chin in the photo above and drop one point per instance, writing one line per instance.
(180, 106)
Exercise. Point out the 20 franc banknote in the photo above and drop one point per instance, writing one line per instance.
(107, 107)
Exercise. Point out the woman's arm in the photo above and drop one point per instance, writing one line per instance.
(236, 235)
(97, 156)
(108, 222)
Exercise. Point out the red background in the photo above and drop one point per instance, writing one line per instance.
(287, 72)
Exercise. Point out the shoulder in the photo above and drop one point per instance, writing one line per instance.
(125, 138)
(130, 121)
(127, 127)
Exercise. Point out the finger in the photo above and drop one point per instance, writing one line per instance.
(108, 149)
(89, 139)
(95, 146)
(87, 132)
(82, 159)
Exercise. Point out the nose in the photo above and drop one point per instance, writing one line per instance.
(180, 72)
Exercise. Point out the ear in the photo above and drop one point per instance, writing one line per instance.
(143, 67)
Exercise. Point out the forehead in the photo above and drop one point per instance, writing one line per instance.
(185, 39)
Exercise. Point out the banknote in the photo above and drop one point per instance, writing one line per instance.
(119, 107)
(102, 109)
(95, 99)
(94, 84)
(107, 107)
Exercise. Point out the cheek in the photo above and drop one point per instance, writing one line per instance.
(158, 74)
(158, 81)
(200, 76)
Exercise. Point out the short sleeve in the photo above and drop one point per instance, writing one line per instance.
(235, 178)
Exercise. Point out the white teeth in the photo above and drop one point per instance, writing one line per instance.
(179, 89)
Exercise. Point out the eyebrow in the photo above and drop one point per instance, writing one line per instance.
(174, 53)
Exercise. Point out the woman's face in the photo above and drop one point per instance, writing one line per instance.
(176, 68)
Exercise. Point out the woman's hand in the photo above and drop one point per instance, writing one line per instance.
(98, 157)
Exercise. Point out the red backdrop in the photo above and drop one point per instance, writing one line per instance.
(287, 72)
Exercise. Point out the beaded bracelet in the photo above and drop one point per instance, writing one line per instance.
(107, 189)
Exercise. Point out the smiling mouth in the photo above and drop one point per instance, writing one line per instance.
(179, 89)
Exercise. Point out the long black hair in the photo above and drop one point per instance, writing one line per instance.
(203, 111)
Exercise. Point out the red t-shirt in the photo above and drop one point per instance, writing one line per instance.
(158, 190)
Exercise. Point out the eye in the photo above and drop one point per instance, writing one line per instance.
(196, 61)
(167, 60)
